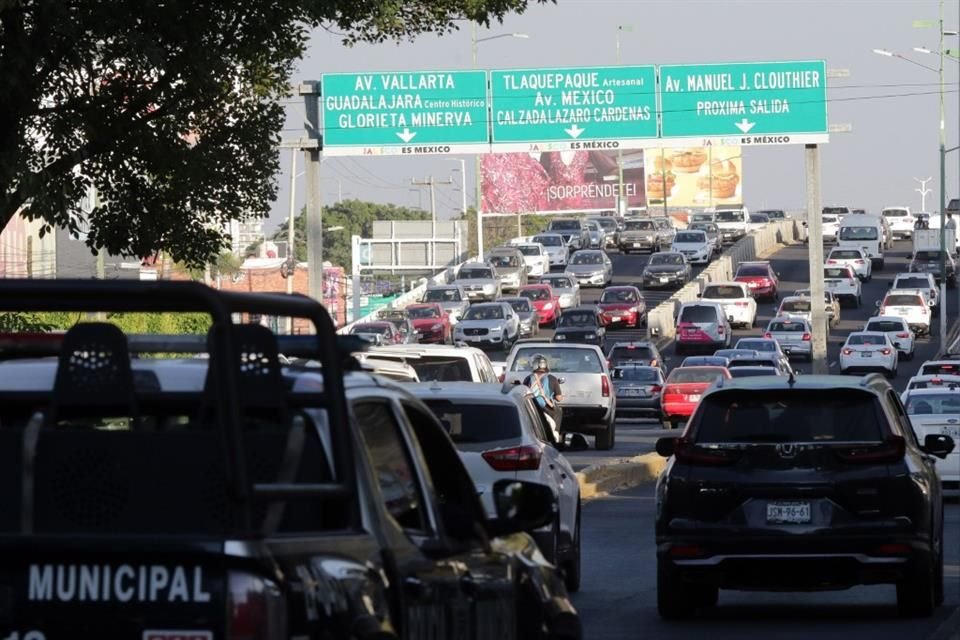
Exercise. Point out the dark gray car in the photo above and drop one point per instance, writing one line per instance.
(667, 269)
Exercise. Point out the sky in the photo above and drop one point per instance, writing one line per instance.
(895, 132)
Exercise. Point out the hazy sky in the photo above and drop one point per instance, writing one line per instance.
(894, 138)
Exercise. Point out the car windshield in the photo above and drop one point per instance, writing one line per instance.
(505, 262)
(784, 325)
(886, 325)
(618, 295)
(730, 216)
(723, 292)
(520, 305)
(757, 345)
(557, 282)
(698, 313)
(538, 293)
(529, 249)
(631, 352)
(774, 214)
(636, 374)
(934, 403)
(707, 227)
(565, 225)
(840, 211)
(382, 329)
(560, 359)
(801, 306)
(584, 257)
(837, 272)
(911, 283)
(419, 313)
(607, 224)
(899, 300)
(442, 295)
(895, 213)
(788, 415)
(751, 270)
(695, 374)
(867, 340)
(638, 225)
(475, 273)
(666, 258)
(578, 319)
(549, 241)
(484, 312)
(858, 233)
(690, 236)
(756, 217)
(474, 423)
(927, 256)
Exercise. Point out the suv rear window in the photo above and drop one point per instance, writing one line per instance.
(911, 283)
(753, 270)
(777, 415)
(846, 254)
(723, 292)
(788, 326)
(477, 423)
(560, 359)
(565, 225)
(638, 225)
(796, 305)
(698, 313)
(435, 368)
(730, 216)
(894, 300)
(475, 273)
(885, 325)
(626, 354)
(858, 233)
(837, 272)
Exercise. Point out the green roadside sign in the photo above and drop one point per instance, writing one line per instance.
(573, 108)
(744, 103)
(410, 112)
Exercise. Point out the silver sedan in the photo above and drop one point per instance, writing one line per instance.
(566, 288)
(591, 268)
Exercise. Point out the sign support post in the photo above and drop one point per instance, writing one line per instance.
(818, 312)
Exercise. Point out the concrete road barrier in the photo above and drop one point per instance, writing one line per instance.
(599, 480)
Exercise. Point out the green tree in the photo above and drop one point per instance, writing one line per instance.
(356, 217)
(170, 109)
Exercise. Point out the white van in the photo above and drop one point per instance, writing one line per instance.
(864, 232)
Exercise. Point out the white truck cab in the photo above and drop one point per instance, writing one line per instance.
(864, 232)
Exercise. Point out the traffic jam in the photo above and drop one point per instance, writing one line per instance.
(416, 475)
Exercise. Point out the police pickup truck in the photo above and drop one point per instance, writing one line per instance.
(224, 496)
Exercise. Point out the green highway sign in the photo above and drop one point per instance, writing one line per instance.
(744, 103)
(573, 109)
(410, 112)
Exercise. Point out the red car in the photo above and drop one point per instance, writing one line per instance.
(683, 388)
(431, 323)
(622, 307)
(760, 277)
(546, 302)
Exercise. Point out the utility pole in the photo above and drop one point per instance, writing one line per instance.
(291, 237)
(311, 149)
(477, 158)
(943, 199)
(621, 208)
(923, 191)
(818, 312)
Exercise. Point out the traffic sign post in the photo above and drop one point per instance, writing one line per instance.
(581, 108)
(405, 113)
(751, 103)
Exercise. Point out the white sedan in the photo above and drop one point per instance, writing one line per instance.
(937, 412)
(855, 259)
(843, 282)
(866, 351)
(897, 330)
(931, 381)
(695, 246)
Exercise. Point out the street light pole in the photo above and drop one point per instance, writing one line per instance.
(923, 191)
(943, 199)
(621, 209)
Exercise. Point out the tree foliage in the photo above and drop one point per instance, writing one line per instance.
(356, 217)
(170, 108)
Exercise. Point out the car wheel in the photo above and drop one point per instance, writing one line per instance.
(916, 592)
(673, 601)
(571, 569)
(604, 440)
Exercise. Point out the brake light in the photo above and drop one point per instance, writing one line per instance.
(655, 388)
(885, 351)
(831, 262)
(687, 551)
(525, 458)
(720, 330)
(848, 352)
(688, 452)
(806, 337)
(604, 387)
(903, 335)
(767, 335)
(859, 261)
(670, 390)
(742, 303)
(890, 450)
(256, 607)
(893, 549)
(503, 376)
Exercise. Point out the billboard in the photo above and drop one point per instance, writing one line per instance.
(561, 181)
(694, 176)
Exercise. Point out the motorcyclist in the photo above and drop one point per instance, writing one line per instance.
(547, 392)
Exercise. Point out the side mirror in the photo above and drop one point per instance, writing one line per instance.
(699, 295)
(666, 446)
(562, 380)
(897, 344)
(876, 304)
(938, 445)
(521, 506)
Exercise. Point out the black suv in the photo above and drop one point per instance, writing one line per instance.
(793, 484)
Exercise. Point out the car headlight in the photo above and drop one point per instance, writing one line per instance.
(548, 306)
(591, 336)
(559, 337)
(436, 327)
(496, 329)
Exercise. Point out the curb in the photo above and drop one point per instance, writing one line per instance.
(600, 480)
(949, 629)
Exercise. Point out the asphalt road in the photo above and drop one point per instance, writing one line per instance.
(618, 598)
(639, 436)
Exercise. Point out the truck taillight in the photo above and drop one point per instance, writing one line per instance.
(806, 337)
(768, 335)
(905, 334)
(525, 458)
(655, 388)
(256, 608)
(604, 386)
(742, 303)
(847, 352)
(885, 351)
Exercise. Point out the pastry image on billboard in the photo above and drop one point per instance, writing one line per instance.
(661, 179)
(718, 180)
(689, 160)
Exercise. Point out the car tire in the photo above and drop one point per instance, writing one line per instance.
(673, 600)
(605, 439)
(571, 567)
(916, 593)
